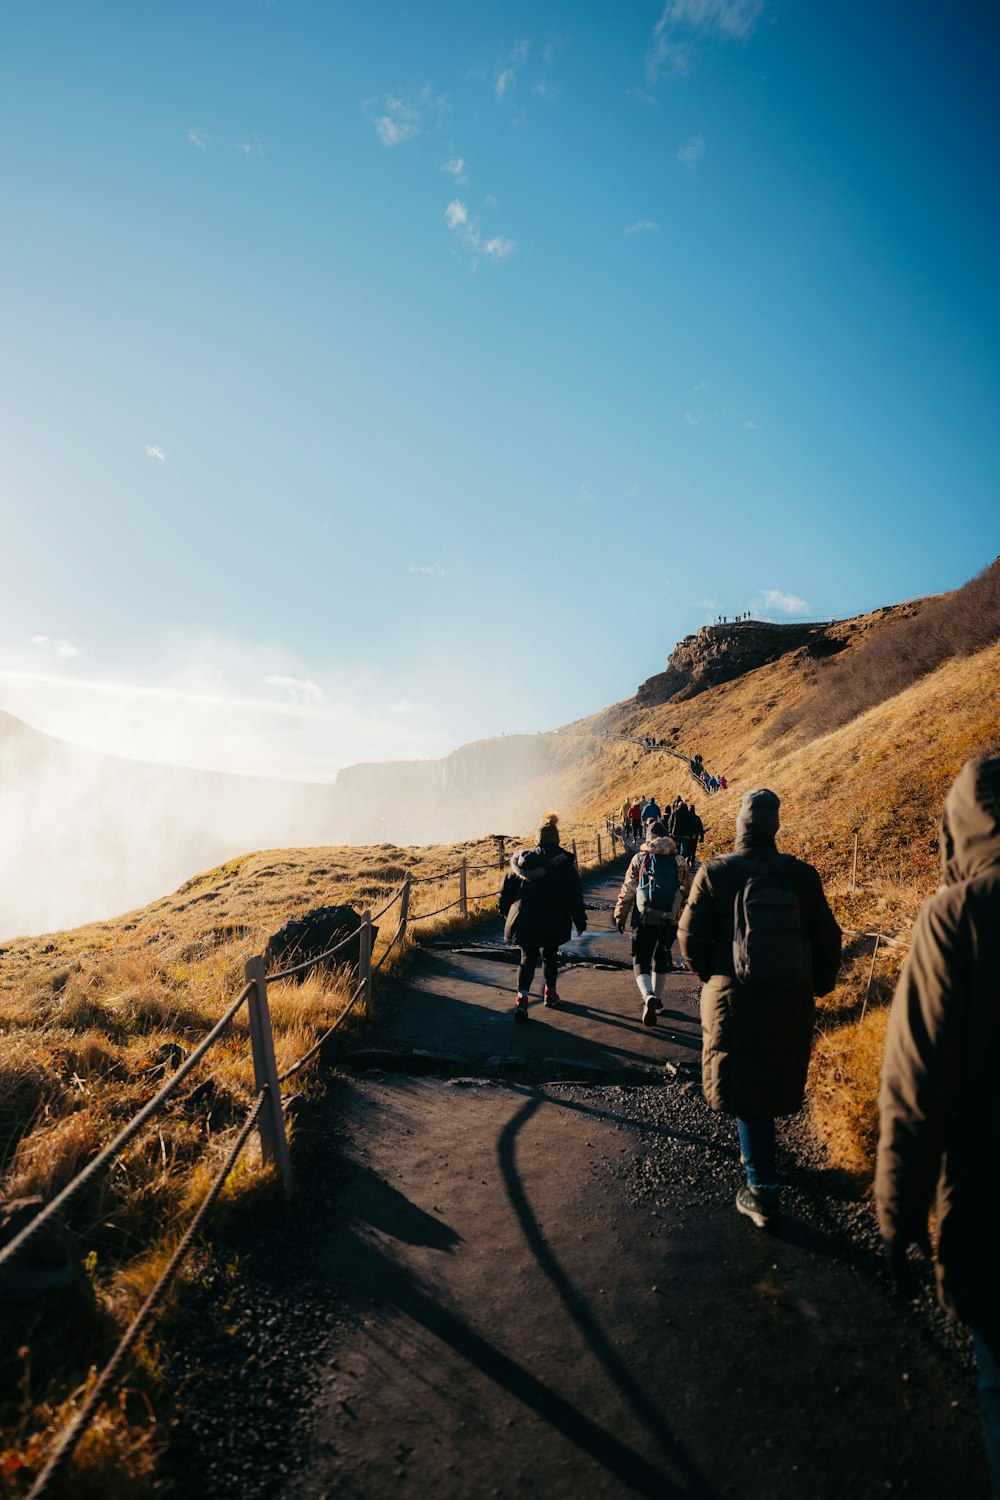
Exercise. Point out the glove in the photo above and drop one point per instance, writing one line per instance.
(897, 1262)
(581, 930)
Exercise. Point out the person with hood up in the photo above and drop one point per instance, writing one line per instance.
(635, 818)
(650, 813)
(940, 1125)
(542, 901)
(652, 894)
(682, 828)
(759, 934)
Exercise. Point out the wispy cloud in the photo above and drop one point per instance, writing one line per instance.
(641, 226)
(691, 154)
(430, 570)
(153, 451)
(398, 121)
(251, 147)
(196, 138)
(404, 706)
(63, 649)
(495, 247)
(504, 80)
(786, 604)
(299, 689)
(692, 419)
(457, 167)
(749, 426)
(683, 21)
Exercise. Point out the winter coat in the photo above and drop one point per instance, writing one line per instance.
(940, 1120)
(625, 907)
(682, 822)
(755, 1042)
(698, 827)
(650, 812)
(541, 898)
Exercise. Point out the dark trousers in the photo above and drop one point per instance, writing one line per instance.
(687, 845)
(529, 963)
(651, 945)
(757, 1150)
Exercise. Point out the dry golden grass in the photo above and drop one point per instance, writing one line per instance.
(91, 1023)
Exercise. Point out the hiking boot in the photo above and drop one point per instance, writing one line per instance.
(551, 999)
(521, 1011)
(649, 1012)
(759, 1204)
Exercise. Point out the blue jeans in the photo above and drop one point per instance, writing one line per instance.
(988, 1364)
(757, 1150)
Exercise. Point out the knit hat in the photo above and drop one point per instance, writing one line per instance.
(758, 815)
(549, 831)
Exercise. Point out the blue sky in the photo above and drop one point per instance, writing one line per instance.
(379, 377)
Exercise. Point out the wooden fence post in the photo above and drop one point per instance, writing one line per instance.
(404, 910)
(854, 869)
(463, 887)
(871, 975)
(502, 842)
(574, 850)
(365, 958)
(271, 1121)
(599, 859)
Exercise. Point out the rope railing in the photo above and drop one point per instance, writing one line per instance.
(318, 1045)
(114, 1148)
(444, 875)
(266, 1114)
(106, 1381)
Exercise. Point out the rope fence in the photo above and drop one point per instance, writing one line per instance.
(267, 1114)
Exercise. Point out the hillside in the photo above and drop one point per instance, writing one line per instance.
(89, 1016)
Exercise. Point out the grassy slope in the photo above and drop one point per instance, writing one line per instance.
(90, 1018)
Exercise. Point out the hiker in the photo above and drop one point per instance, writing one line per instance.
(624, 813)
(696, 835)
(542, 901)
(682, 829)
(635, 820)
(940, 1127)
(650, 813)
(652, 894)
(723, 783)
(758, 932)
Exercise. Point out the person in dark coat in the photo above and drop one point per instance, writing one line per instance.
(757, 1040)
(542, 901)
(940, 1124)
(682, 828)
(696, 835)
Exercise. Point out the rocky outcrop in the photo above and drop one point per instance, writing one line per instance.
(718, 653)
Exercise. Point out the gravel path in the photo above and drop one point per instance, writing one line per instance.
(501, 1286)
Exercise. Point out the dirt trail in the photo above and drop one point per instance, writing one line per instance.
(502, 1284)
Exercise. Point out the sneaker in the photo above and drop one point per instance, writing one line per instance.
(759, 1204)
(551, 999)
(521, 1011)
(649, 1012)
(658, 1006)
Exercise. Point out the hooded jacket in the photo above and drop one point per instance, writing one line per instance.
(755, 1042)
(682, 821)
(650, 812)
(541, 898)
(625, 905)
(940, 1118)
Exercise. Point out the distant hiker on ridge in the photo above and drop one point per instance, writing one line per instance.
(542, 901)
(758, 932)
(652, 894)
(940, 1137)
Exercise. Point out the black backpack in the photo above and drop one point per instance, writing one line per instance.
(770, 945)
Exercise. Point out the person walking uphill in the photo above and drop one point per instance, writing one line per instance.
(940, 1125)
(652, 895)
(758, 932)
(542, 901)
